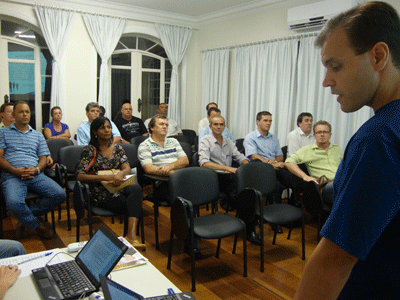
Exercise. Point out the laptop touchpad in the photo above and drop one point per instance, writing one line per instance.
(44, 283)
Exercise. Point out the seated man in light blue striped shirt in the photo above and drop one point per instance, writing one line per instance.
(23, 153)
(214, 111)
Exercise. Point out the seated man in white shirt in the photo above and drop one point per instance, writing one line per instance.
(92, 113)
(302, 135)
(204, 122)
(173, 126)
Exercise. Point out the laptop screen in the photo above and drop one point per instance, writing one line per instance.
(101, 253)
(115, 291)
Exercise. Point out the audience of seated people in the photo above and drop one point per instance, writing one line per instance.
(83, 133)
(102, 154)
(128, 125)
(23, 153)
(321, 158)
(302, 135)
(56, 129)
(214, 111)
(205, 121)
(173, 126)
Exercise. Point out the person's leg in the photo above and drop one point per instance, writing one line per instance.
(52, 194)
(14, 191)
(10, 248)
(327, 193)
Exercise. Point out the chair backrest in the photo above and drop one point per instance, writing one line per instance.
(69, 157)
(239, 145)
(191, 134)
(181, 138)
(195, 159)
(55, 145)
(179, 217)
(284, 151)
(197, 185)
(131, 151)
(188, 150)
(78, 200)
(247, 202)
(137, 140)
(312, 199)
(256, 175)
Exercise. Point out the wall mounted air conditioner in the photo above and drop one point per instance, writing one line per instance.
(311, 17)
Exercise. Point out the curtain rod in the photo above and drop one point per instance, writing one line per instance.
(290, 37)
(81, 11)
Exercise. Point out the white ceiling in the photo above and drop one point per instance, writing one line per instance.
(190, 8)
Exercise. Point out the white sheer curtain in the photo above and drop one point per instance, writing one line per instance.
(312, 97)
(215, 78)
(56, 26)
(175, 41)
(105, 33)
(264, 80)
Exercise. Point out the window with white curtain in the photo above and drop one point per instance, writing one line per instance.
(141, 73)
(26, 65)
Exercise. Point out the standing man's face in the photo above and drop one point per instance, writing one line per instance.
(306, 124)
(264, 124)
(162, 110)
(352, 77)
(93, 114)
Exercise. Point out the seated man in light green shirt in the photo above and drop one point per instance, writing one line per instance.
(320, 158)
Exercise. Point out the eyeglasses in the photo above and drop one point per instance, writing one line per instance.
(322, 132)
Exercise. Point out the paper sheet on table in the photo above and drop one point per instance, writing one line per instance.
(39, 262)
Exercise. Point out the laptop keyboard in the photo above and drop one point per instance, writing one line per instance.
(70, 279)
(165, 297)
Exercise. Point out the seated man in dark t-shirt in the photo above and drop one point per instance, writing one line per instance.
(128, 125)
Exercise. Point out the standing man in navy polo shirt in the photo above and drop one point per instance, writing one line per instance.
(23, 153)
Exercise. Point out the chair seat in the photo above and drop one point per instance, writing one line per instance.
(50, 173)
(281, 213)
(217, 226)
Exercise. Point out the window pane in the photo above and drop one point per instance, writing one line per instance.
(17, 51)
(159, 50)
(22, 85)
(168, 70)
(45, 113)
(46, 88)
(128, 42)
(150, 62)
(167, 85)
(121, 59)
(120, 89)
(46, 62)
(150, 92)
(144, 44)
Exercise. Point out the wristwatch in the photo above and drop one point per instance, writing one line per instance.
(38, 170)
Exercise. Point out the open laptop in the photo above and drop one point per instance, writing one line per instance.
(80, 277)
(115, 291)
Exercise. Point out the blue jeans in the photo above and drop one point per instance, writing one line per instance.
(327, 193)
(15, 191)
(10, 248)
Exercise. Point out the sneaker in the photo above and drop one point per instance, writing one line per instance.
(44, 231)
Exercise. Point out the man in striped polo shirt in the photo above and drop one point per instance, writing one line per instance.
(158, 154)
(23, 153)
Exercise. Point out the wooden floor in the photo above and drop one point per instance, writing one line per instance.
(220, 278)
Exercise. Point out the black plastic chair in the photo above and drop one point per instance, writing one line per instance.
(262, 178)
(191, 188)
(81, 193)
(313, 203)
(191, 134)
(240, 146)
(137, 140)
(181, 138)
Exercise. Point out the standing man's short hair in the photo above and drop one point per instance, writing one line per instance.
(263, 113)
(91, 105)
(211, 103)
(216, 109)
(365, 25)
(322, 123)
(301, 116)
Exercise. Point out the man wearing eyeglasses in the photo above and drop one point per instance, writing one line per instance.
(321, 158)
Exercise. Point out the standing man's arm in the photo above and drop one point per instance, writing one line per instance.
(326, 272)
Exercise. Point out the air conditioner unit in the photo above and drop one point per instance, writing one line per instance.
(313, 16)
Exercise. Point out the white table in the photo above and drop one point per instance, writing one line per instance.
(144, 279)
